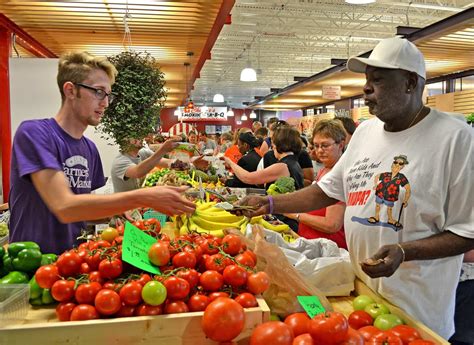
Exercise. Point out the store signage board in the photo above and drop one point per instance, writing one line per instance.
(311, 305)
(331, 92)
(135, 248)
(211, 114)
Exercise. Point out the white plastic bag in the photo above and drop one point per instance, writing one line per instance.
(320, 261)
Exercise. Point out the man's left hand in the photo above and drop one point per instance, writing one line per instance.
(384, 263)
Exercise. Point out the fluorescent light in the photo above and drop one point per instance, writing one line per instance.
(230, 113)
(359, 2)
(244, 117)
(218, 98)
(253, 115)
(248, 74)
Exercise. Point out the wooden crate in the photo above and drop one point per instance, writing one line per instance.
(42, 327)
(344, 305)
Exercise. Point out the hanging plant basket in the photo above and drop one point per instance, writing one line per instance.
(139, 97)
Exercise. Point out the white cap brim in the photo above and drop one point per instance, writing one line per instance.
(359, 65)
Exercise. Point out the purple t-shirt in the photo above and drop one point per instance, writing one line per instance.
(43, 144)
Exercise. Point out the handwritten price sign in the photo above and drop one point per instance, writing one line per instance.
(311, 305)
(135, 248)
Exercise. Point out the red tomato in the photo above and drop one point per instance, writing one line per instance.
(144, 278)
(368, 332)
(159, 253)
(406, 333)
(184, 259)
(46, 276)
(84, 312)
(197, 251)
(360, 318)
(190, 275)
(131, 293)
(100, 244)
(85, 293)
(211, 280)
(139, 224)
(231, 244)
(385, 338)
(93, 260)
(146, 309)
(215, 295)
(63, 290)
(177, 288)
(107, 302)
(120, 228)
(246, 300)
(84, 268)
(95, 276)
(328, 328)
(223, 319)
(210, 246)
(235, 275)
(251, 254)
(272, 332)
(353, 338)
(303, 339)
(215, 263)
(298, 322)
(163, 237)
(110, 285)
(258, 283)
(198, 302)
(176, 307)
(125, 311)
(110, 268)
(64, 310)
(421, 342)
(245, 259)
(69, 264)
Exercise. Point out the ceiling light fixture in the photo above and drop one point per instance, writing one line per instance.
(218, 98)
(253, 115)
(359, 2)
(230, 113)
(248, 73)
(244, 117)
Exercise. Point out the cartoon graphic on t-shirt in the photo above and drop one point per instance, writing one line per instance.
(387, 190)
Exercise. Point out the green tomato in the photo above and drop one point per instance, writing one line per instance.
(362, 301)
(377, 309)
(385, 322)
(154, 293)
(274, 317)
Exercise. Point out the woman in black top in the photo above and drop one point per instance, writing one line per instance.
(287, 144)
(249, 161)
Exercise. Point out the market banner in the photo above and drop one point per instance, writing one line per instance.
(204, 114)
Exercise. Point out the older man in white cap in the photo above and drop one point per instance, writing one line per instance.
(417, 265)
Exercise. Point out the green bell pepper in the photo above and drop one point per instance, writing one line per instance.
(7, 263)
(47, 259)
(16, 247)
(35, 290)
(46, 297)
(15, 277)
(2, 252)
(25, 256)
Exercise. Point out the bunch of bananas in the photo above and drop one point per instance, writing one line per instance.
(213, 220)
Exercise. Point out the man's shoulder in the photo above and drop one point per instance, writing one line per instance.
(38, 125)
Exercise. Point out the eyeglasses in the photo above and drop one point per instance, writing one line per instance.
(324, 146)
(99, 93)
(398, 163)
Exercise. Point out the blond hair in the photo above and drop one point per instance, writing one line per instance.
(76, 67)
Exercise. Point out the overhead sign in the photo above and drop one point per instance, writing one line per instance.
(331, 92)
(209, 114)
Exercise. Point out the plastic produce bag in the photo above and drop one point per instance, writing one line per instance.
(323, 264)
(286, 282)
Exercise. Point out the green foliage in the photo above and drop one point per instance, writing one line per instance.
(282, 185)
(139, 96)
(470, 118)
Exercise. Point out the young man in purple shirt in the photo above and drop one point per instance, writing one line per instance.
(54, 167)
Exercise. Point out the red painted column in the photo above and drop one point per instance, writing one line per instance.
(5, 127)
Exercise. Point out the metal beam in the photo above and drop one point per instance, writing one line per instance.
(5, 126)
(406, 30)
(338, 61)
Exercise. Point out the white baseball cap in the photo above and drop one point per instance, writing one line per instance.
(392, 53)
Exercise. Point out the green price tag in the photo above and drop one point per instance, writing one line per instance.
(311, 305)
(135, 248)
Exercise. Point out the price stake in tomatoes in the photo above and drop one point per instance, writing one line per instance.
(135, 247)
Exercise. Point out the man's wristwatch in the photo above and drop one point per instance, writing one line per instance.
(297, 217)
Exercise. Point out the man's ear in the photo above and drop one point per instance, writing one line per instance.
(412, 82)
(68, 89)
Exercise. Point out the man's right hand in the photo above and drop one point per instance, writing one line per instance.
(261, 204)
(168, 200)
(168, 145)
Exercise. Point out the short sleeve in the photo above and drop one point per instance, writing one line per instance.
(34, 148)
(120, 166)
(305, 160)
(332, 183)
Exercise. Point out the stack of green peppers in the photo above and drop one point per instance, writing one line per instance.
(19, 263)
